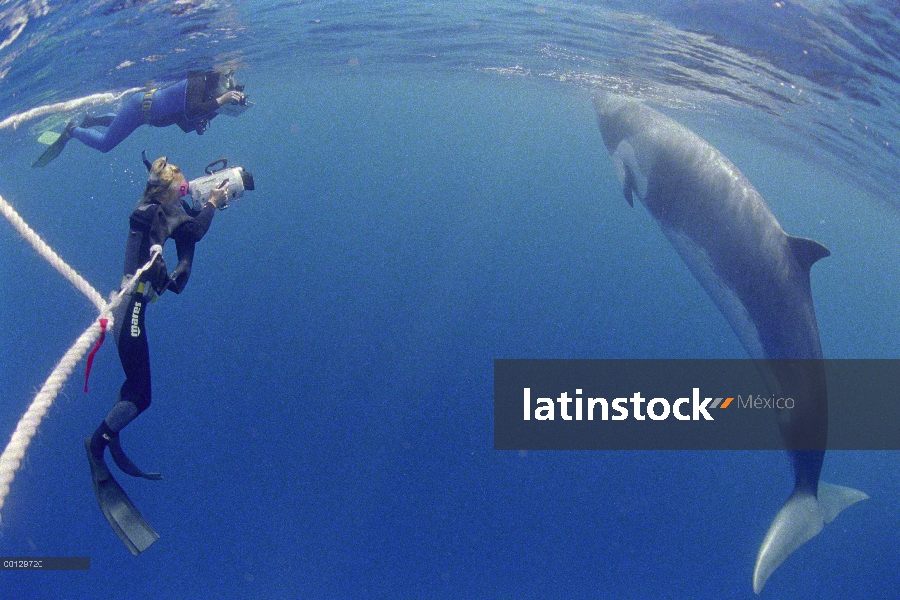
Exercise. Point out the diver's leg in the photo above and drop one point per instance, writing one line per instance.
(129, 118)
(134, 352)
(134, 397)
(99, 121)
(124, 518)
(123, 412)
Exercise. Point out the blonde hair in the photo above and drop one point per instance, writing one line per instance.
(159, 183)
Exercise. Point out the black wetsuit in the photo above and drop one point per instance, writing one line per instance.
(151, 223)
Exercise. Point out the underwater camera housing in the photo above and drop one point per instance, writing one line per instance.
(235, 110)
(233, 180)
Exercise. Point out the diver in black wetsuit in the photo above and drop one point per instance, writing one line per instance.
(159, 216)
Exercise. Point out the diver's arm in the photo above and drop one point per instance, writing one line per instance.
(194, 229)
(202, 222)
(187, 236)
(157, 275)
(208, 109)
(179, 277)
(203, 109)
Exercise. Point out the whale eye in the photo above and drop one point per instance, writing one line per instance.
(628, 171)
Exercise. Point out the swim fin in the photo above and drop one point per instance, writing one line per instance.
(56, 147)
(48, 137)
(123, 462)
(134, 531)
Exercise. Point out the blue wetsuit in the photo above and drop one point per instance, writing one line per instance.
(190, 104)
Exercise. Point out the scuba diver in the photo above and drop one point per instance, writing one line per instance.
(191, 104)
(160, 215)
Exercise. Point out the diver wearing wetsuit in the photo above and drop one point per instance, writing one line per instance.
(158, 217)
(191, 104)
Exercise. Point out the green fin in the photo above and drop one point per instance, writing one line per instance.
(48, 137)
(125, 519)
(54, 149)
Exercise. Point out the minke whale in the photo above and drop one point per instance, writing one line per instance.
(759, 278)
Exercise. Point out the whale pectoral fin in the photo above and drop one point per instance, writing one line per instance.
(628, 186)
(628, 172)
(807, 251)
(800, 519)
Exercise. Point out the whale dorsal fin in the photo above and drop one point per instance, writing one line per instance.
(807, 251)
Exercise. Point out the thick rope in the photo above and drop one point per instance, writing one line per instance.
(12, 456)
(51, 257)
(69, 105)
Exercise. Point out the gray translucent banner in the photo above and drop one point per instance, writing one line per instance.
(45, 563)
(696, 404)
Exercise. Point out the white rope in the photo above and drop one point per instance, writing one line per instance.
(12, 456)
(52, 257)
(69, 105)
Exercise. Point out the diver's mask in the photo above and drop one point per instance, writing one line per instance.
(232, 84)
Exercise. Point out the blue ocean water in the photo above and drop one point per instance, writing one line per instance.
(432, 194)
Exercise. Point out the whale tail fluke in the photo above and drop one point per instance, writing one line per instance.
(835, 498)
(799, 520)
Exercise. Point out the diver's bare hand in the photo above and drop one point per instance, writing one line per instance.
(217, 197)
(232, 97)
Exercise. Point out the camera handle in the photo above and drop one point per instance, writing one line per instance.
(210, 170)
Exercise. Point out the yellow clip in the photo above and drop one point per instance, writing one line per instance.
(143, 288)
(147, 103)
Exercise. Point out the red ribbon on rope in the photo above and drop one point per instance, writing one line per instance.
(90, 358)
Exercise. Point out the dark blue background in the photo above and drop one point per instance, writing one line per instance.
(323, 388)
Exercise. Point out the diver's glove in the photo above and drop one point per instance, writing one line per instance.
(174, 285)
(160, 285)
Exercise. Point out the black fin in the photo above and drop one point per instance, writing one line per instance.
(123, 462)
(807, 251)
(125, 519)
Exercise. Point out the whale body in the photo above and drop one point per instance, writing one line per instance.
(759, 278)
